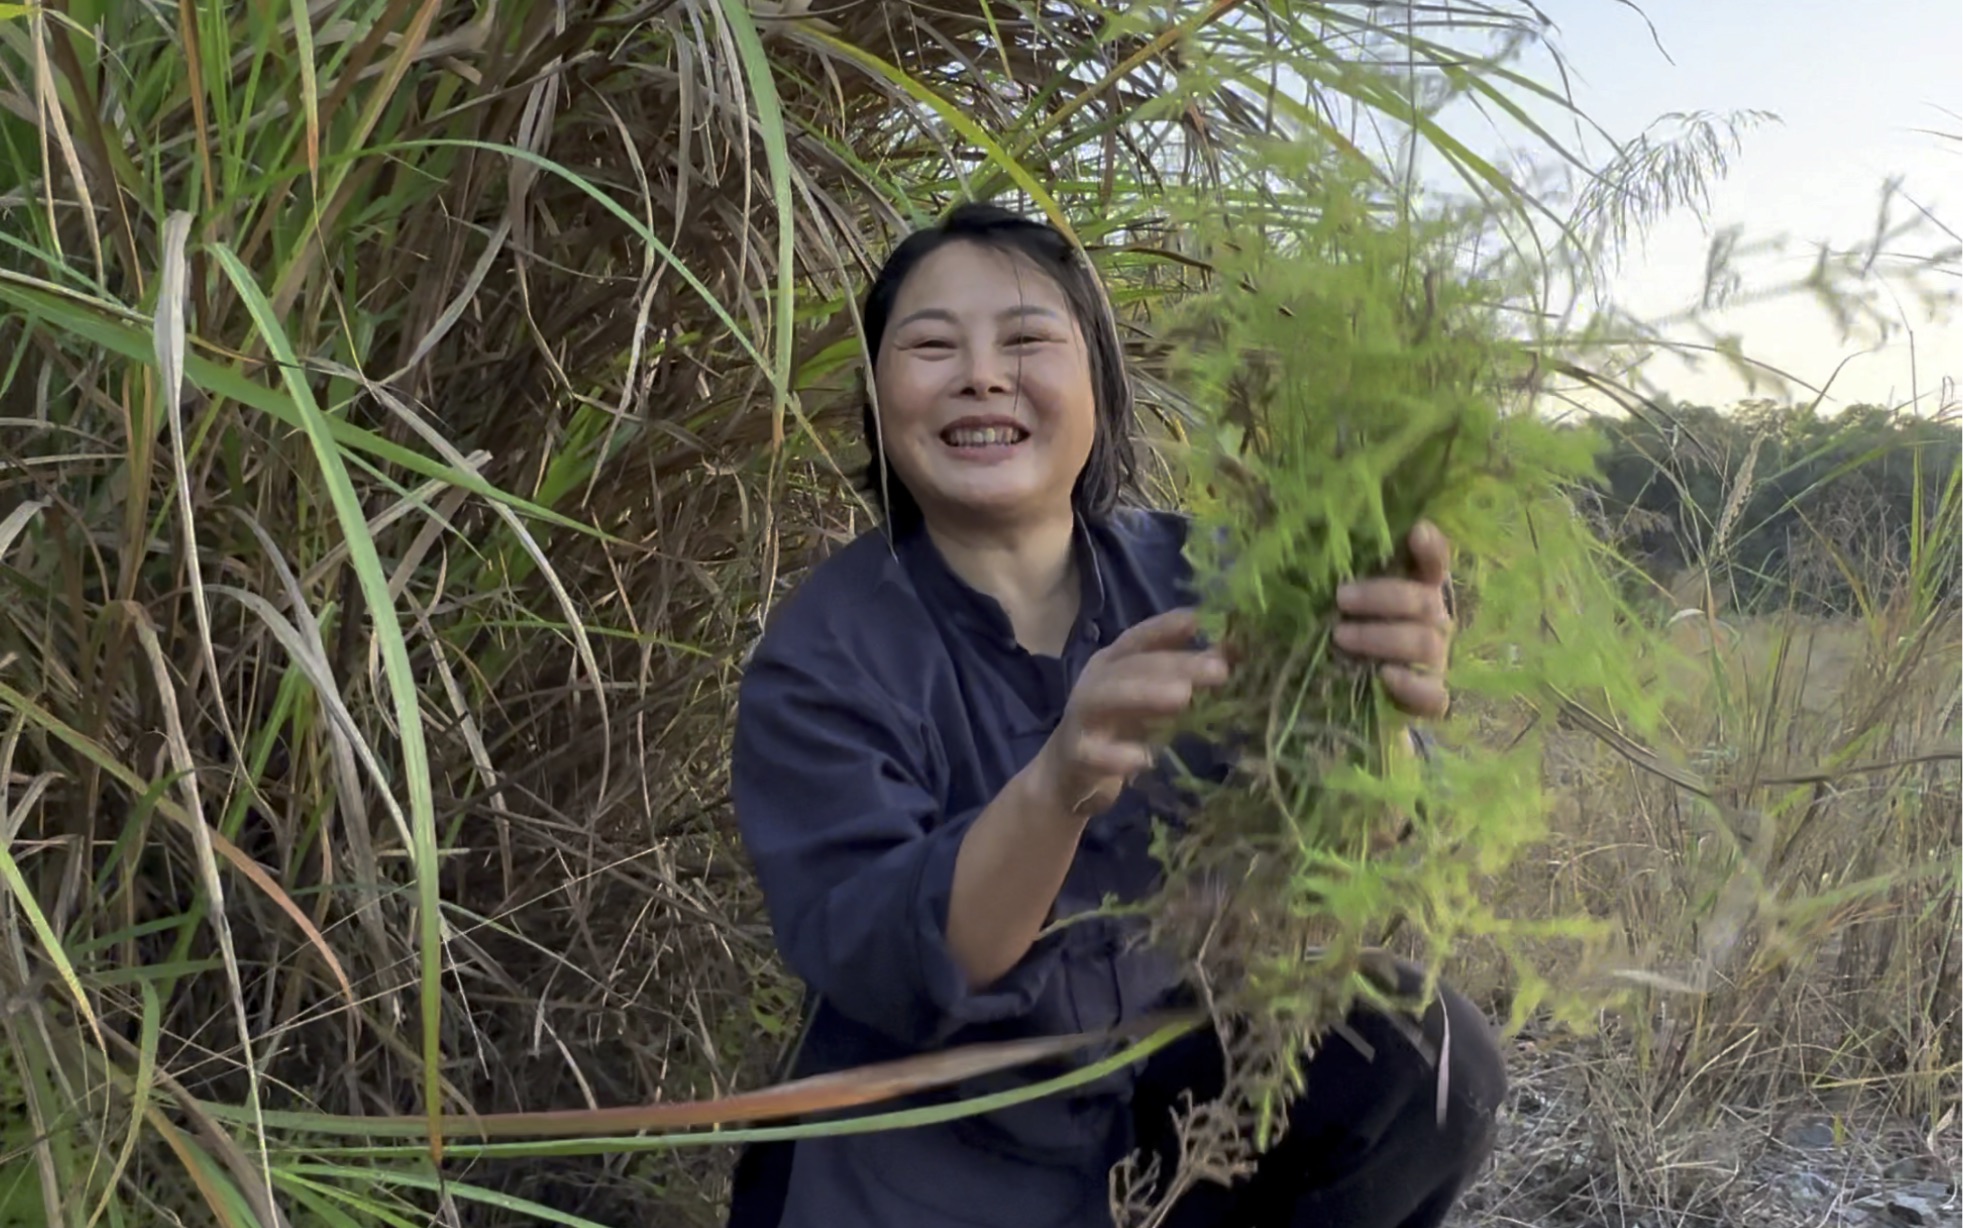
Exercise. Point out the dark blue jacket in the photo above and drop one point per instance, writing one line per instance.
(886, 705)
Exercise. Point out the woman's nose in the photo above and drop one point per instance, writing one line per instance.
(988, 371)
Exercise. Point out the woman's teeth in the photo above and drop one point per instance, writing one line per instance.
(985, 436)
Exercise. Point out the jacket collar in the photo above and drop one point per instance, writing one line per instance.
(948, 594)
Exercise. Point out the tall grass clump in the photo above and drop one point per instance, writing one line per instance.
(360, 745)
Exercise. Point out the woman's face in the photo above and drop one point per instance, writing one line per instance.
(984, 389)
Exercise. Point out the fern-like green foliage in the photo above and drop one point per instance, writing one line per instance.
(1346, 380)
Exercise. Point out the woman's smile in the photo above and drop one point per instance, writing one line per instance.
(985, 440)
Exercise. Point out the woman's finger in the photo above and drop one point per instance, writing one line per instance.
(1431, 554)
(1423, 695)
(1142, 699)
(1114, 757)
(1199, 669)
(1398, 600)
(1172, 629)
(1401, 643)
(1126, 699)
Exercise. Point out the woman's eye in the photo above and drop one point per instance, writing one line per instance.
(1028, 339)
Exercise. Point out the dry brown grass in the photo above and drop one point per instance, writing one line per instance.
(1822, 989)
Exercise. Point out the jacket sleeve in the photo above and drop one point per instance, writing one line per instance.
(834, 796)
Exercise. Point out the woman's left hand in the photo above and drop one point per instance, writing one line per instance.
(1403, 623)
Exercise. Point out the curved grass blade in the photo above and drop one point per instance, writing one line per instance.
(325, 1196)
(173, 289)
(128, 334)
(770, 126)
(575, 626)
(303, 53)
(179, 748)
(533, 1211)
(13, 522)
(146, 1072)
(953, 116)
(96, 754)
(818, 1094)
(311, 663)
(37, 921)
(307, 1195)
(902, 1119)
(395, 663)
(619, 211)
(212, 1186)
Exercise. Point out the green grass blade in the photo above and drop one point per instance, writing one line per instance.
(315, 1193)
(330, 1215)
(128, 334)
(13, 522)
(37, 921)
(770, 126)
(435, 1184)
(619, 211)
(146, 1074)
(303, 54)
(317, 1124)
(96, 754)
(394, 647)
(954, 117)
(221, 1197)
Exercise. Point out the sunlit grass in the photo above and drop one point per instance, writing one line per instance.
(408, 414)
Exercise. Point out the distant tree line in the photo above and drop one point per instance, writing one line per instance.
(1775, 506)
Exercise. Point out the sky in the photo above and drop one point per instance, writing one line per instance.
(1850, 83)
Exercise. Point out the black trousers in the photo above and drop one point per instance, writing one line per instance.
(1364, 1148)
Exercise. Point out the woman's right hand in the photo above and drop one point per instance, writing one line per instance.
(1129, 694)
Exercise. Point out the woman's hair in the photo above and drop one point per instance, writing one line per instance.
(1111, 469)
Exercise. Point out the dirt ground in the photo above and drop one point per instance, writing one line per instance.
(1825, 1161)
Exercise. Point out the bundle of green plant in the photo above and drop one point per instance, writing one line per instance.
(1348, 381)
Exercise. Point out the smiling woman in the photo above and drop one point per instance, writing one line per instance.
(950, 738)
(989, 320)
(984, 394)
